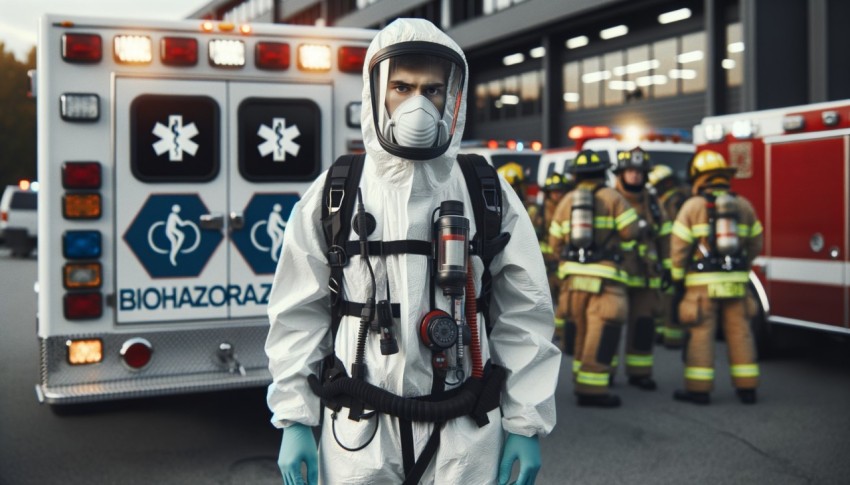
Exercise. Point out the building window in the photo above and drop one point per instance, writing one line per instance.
(691, 63)
(665, 53)
(492, 6)
(529, 94)
(481, 102)
(664, 68)
(733, 63)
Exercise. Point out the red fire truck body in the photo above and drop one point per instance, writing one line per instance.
(793, 166)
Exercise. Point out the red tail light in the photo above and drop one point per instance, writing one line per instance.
(179, 51)
(81, 306)
(136, 353)
(351, 59)
(81, 175)
(273, 56)
(82, 47)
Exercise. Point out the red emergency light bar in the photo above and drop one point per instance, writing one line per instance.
(351, 59)
(179, 51)
(580, 132)
(82, 48)
(273, 56)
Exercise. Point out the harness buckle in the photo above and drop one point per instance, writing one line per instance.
(490, 199)
(337, 258)
(335, 198)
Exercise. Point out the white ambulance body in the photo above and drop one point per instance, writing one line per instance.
(170, 157)
(794, 166)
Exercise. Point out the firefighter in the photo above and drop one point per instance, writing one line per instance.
(587, 230)
(513, 174)
(716, 236)
(554, 188)
(646, 264)
(671, 195)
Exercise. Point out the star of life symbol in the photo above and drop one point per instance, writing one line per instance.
(279, 140)
(175, 138)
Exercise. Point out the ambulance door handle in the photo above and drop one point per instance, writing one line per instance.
(237, 221)
(212, 221)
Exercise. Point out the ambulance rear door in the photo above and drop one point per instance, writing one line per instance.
(807, 228)
(207, 173)
(277, 152)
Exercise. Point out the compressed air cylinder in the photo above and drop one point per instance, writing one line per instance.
(726, 225)
(581, 219)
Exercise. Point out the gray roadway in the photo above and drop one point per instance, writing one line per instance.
(799, 433)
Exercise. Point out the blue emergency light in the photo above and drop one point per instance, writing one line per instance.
(81, 244)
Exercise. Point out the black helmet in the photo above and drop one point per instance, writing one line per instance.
(587, 161)
(634, 158)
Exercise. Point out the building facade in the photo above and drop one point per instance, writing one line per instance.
(538, 67)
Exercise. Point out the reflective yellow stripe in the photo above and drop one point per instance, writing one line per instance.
(628, 245)
(642, 250)
(673, 332)
(627, 217)
(743, 230)
(682, 232)
(641, 282)
(559, 322)
(590, 269)
(565, 227)
(745, 370)
(592, 379)
(545, 248)
(677, 273)
(699, 373)
(615, 361)
(638, 360)
(555, 230)
(666, 229)
(757, 229)
(576, 365)
(696, 279)
(667, 263)
(700, 230)
(603, 222)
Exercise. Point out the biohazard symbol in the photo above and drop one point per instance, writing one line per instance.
(175, 234)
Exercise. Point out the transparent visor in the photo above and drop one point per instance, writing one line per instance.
(416, 98)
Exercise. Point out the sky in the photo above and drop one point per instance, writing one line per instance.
(19, 18)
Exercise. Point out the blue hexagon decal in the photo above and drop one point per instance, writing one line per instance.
(261, 238)
(167, 238)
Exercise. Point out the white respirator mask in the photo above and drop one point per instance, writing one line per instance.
(416, 123)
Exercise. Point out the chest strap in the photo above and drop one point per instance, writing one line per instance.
(386, 248)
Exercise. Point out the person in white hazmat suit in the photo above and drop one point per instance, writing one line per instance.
(413, 114)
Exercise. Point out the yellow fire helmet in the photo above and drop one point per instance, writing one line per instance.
(634, 158)
(587, 161)
(557, 181)
(512, 173)
(709, 161)
(658, 174)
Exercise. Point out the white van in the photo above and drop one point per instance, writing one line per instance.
(19, 220)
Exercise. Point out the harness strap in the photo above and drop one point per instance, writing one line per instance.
(386, 248)
(354, 309)
(413, 476)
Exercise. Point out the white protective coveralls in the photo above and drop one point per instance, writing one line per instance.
(402, 195)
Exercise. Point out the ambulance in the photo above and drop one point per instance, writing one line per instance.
(793, 165)
(170, 155)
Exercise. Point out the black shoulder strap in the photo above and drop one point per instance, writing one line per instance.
(485, 192)
(338, 196)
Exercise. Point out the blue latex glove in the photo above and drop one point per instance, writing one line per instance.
(298, 446)
(527, 451)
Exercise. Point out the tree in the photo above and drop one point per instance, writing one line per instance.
(17, 119)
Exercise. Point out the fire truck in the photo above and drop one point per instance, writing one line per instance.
(170, 155)
(793, 166)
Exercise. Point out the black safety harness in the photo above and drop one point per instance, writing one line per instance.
(475, 397)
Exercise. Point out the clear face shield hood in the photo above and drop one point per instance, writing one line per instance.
(416, 90)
